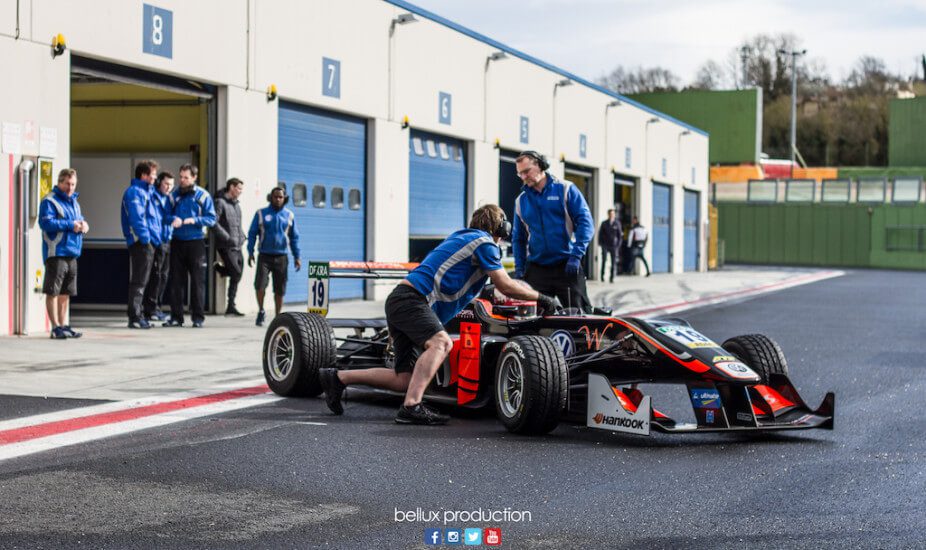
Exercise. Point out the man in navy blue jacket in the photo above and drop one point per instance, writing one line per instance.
(193, 213)
(276, 228)
(161, 195)
(142, 234)
(63, 228)
(551, 231)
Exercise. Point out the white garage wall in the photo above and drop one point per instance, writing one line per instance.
(243, 46)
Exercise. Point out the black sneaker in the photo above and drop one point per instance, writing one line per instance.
(71, 333)
(232, 311)
(172, 323)
(420, 414)
(140, 324)
(334, 389)
(58, 333)
(261, 316)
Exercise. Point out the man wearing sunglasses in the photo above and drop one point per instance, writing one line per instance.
(551, 231)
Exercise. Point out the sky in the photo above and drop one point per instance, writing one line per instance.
(591, 37)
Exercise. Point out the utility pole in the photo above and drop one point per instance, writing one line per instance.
(745, 52)
(794, 54)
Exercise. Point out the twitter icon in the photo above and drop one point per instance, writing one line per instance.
(472, 537)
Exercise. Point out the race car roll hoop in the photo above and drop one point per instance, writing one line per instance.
(538, 371)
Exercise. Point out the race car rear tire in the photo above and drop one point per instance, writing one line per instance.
(531, 384)
(296, 345)
(759, 352)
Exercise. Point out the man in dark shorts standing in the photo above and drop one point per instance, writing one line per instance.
(276, 228)
(432, 294)
(63, 228)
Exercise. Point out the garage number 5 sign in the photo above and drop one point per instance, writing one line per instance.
(318, 288)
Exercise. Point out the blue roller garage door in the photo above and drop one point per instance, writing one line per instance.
(662, 228)
(322, 162)
(692, 219)
(437, 186)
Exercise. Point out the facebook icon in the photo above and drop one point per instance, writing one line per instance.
(432, 537)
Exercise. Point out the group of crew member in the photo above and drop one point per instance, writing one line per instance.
(165, 230)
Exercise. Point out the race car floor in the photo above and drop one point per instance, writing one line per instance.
(285, 473)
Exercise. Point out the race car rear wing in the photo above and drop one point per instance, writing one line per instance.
(321, 272)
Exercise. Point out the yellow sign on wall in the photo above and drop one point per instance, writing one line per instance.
(45, 177)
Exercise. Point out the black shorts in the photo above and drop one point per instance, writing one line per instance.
(276, 264)
(411, 323)
(60, 276)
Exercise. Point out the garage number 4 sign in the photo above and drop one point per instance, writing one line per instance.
(318, 288)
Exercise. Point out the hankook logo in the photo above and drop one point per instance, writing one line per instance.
(617, 421)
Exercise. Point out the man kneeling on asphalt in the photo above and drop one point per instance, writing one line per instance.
(432, 294)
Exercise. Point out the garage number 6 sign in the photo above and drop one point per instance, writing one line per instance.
(318, 288)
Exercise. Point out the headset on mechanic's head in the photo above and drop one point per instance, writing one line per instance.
(272, 191)
(503, 231)
(540, 159)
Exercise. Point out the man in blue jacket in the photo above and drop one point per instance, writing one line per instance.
(63, 228)
(157, 282)
(551, 231)
(193, 213)
(443, 284)
(142, 234)
(276, 228)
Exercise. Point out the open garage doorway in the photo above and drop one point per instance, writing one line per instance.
(119, 116)
(584, 180)
(625, 204)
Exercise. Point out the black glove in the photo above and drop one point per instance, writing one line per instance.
(250, 261)
(547, 305)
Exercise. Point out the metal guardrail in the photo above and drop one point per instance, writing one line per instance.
(905, 238)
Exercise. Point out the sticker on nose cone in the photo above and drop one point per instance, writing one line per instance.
(736, 369)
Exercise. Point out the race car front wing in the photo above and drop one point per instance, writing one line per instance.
(775, 406)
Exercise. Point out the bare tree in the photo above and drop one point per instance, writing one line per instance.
(640, 80)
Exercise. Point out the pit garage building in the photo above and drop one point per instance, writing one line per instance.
(386, 123)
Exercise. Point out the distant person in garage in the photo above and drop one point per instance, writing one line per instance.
(193, 213)
(142, 232)
(448, 278)
(275, 227)
(63, 228)
(609, 240)
(229, 236)
(552, 228)
(160, 266)
(636, 242)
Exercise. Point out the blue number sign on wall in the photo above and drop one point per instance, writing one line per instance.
(331, 77)
(444, 107)
(158, 31)
(583, 146)
(524, 131)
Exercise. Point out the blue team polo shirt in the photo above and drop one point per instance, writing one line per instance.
(452, 274)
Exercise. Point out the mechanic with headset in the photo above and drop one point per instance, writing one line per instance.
(552, 228)
(193, 213)
(276, 227)
(431, 295)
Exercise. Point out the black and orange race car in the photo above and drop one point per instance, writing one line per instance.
(538, 371)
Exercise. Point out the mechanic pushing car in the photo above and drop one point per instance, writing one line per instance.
(552, 229)
(431, 295)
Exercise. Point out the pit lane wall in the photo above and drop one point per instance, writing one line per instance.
(853, 235)
(388, 72)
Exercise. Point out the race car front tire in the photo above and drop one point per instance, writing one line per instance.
(760, 353)
(531, 384)
(296, 345)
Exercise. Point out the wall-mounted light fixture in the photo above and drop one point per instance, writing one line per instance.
(405, 122)
(498, 143)
(58, 45)
(401, 19)
(271, 92)
(498, 56)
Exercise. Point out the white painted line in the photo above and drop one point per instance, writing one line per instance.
(120, 428)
